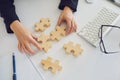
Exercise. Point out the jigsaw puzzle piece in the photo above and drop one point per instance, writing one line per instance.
(54, 35)
(61, 30)
(45, 22)
(43, 38)
(50, 64)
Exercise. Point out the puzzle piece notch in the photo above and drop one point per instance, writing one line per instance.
(42, 25)
(39, 27)
(61, 30)
(71, 48)
(77, 50)
(45, 46)
(58, 33)
(43, 38)
(68, 47)
(49, 64)
(54, 35)
(46, 63)
(45, 22)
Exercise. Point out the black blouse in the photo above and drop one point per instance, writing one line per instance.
(7, 10)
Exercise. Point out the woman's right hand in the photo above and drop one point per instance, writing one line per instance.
(25, 38)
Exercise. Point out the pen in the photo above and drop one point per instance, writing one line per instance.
(14, 67)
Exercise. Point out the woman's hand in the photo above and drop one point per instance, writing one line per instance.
(67, 16)
(25, 38)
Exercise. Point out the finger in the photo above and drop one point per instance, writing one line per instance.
(72, 27)
(20, 47)
(75, 26)
(35, 43)
(34, 37)
(68, 27)
(28, 48)
(59, 21)
(24, 49)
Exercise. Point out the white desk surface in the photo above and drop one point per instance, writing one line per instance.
(91, 65)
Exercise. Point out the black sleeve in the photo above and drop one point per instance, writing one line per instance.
(7, 10)
(70, 3)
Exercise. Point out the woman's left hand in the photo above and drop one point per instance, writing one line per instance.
(67, 16)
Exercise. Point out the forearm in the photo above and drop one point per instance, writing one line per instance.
(70, 3)
(7, 10)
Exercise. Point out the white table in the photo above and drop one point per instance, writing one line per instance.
(91, 65)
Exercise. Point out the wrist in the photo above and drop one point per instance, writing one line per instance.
(16, 26)
(68, 8)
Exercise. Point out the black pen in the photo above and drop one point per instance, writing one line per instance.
(14, 67)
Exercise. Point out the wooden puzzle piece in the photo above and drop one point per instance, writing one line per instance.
(68, 47)
(43, 38)
(61, 30)
(71, 48)
(54, 35)
(41, 26)
(45, 21)
(45, 46)
(77, 50)
(58, 33)
(49, 64)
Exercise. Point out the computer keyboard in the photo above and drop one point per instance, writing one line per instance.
(104, 17)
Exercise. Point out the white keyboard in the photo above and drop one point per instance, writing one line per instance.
(104, 17)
